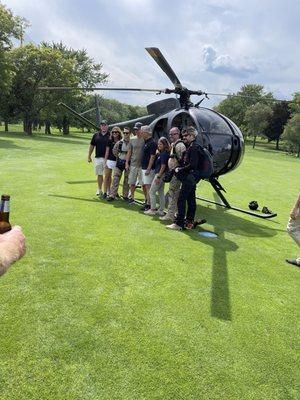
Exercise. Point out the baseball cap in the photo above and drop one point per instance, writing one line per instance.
(137, 126)
(103, 122)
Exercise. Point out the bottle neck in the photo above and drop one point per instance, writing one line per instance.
(4, 210)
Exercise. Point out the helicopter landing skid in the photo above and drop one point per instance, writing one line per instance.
(218, 187)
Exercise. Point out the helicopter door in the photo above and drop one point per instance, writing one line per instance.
(160, 129)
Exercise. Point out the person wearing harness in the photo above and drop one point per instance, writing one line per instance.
(177, 150)
(189, 174)
(120, 150)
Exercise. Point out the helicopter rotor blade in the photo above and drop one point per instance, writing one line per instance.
(157, 56)
(91, 89)
(247, 97)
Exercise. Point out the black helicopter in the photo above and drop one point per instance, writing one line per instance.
(216, 132)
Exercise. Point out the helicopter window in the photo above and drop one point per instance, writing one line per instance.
(183, 120)
(160, 129)
(214, 123)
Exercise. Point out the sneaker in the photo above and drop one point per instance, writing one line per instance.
(131, 201)
(160, 213)
(145, 207)
(174, 227)
(104, 196)
(189, 225)
(166, 218)
(126, 199)
(292, 261)
(99, 193)
(150, 212)
(110, 199)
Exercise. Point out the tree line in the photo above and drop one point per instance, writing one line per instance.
(26, 68)
(258, 113)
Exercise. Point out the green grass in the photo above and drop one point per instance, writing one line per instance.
(108, 304)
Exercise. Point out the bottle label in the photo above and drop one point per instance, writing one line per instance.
(6, 206)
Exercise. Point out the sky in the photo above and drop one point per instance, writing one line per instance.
(212, 45)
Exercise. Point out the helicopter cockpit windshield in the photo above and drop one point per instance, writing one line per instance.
(183, 120)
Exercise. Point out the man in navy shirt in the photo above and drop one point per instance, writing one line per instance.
(99, 142)
(148, 158)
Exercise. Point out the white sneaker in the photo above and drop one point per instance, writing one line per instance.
(160, 213)
(166, 218)
(99, 193)
(150, 212)
(174, 227)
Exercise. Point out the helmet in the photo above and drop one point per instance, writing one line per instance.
(253, 205)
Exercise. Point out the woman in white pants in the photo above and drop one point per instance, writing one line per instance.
(158, 184)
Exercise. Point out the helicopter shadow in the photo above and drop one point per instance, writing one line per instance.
(225, 221)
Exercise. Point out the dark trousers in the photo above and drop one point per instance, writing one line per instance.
(187, 195)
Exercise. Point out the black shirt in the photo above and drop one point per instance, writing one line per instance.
(100, 142)
(111, 156)
(162, 159)
(148, 151)
(191, 158)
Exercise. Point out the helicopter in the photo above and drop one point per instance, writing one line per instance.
(216, 132)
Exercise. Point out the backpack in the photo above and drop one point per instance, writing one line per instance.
(206, 164)
(174, 154)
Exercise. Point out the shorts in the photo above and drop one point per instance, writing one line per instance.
(135, 173)
(147, 179)
(110, 164)
(99, 165)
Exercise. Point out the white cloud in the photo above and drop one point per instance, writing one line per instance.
(224, 64)
(214, 45)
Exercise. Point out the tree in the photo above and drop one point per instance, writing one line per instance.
(295, 104)
(34, 67)
(292, 133)
(86, 72)
(257, 117)
(280, 115)
(235, 107)
(11, 27)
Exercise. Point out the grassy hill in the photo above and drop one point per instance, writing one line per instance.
(108, 304)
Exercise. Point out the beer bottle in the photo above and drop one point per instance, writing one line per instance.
(4, 214)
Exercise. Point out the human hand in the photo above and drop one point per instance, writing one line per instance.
(89, 159)
(12, 248)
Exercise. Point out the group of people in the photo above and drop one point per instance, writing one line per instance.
(142, 161)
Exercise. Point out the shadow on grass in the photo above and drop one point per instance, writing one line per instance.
(46, 138)
(222, 221)
(74, 198)
(8, 144)
(80, 182)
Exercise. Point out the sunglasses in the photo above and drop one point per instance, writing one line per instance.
(114, 132)
(126, 133)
